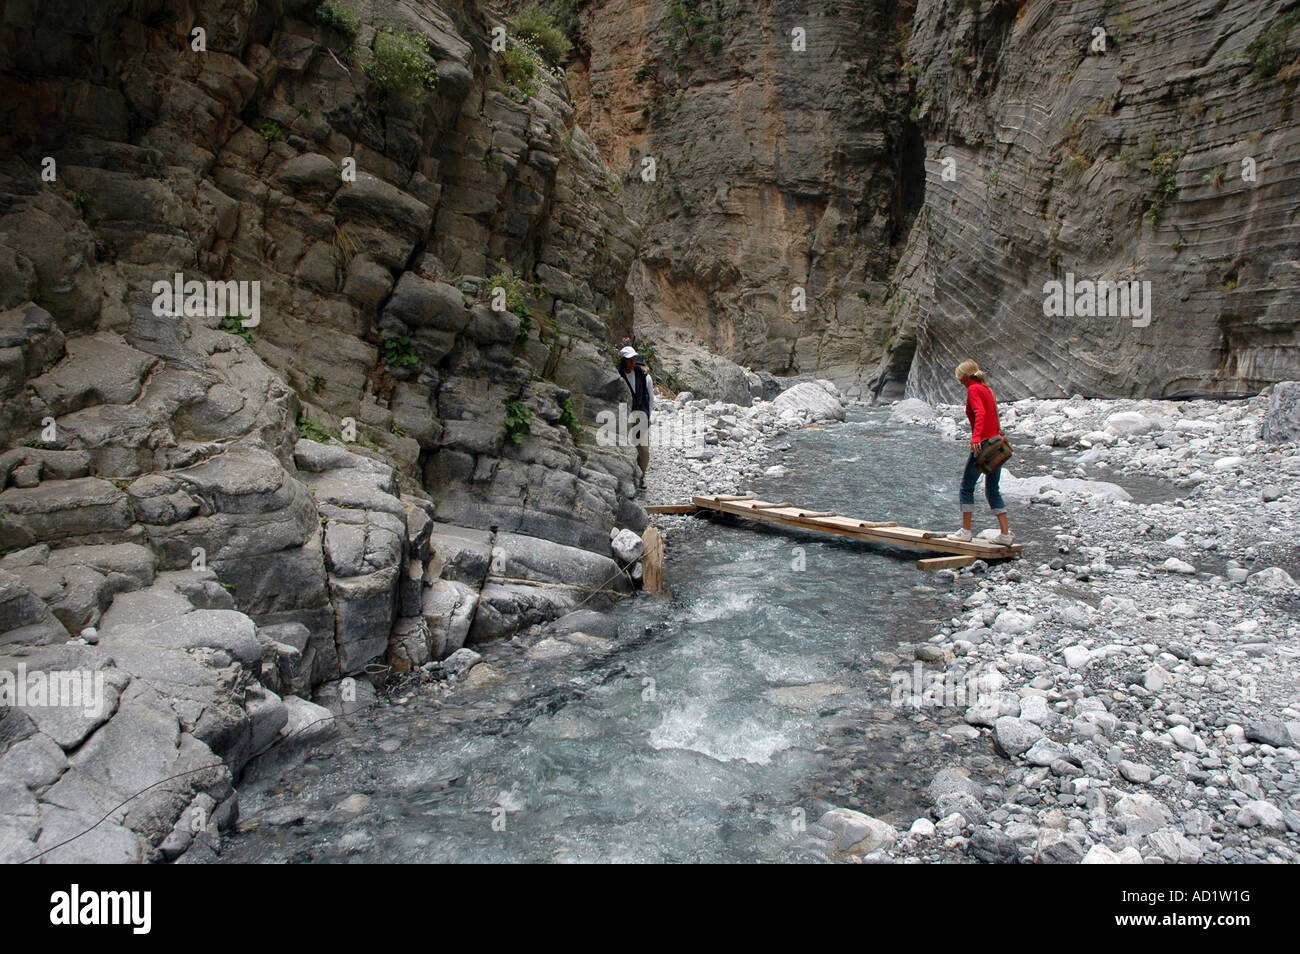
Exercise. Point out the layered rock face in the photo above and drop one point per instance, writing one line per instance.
(1167, 151)
(1163, 152)
(237, 490)
(784, 170)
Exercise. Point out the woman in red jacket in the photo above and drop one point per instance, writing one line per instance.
(982, 412)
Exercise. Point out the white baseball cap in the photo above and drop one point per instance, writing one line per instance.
(627, 352)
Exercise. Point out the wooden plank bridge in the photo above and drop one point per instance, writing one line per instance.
(960, 553)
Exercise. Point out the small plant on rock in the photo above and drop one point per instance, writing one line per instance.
(1164, 166)
(520, 65)
(1269, 51)
(515, 289)
(339, 17)
(313, 430)
(536, 27)
(270, 130)
(569, 419)
(80, 199)
(518, 421)
(399, 62)
(399, 352)
(233, 324)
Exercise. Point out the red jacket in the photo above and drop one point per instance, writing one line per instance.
(981, 411)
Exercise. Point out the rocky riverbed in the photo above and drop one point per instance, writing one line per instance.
(1126, 691)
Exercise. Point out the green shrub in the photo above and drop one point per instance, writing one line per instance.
(516, 289)
(235, 326)
(519, 64)
(313, 430)
(399, 352)
(716, 43)
(686, 23)
(536, 27)
(570, 420)
(399, 62)
(1268, 52)
(518, 421)
(1164, 167)
(525, 326)
(270, 130)
(338, 17)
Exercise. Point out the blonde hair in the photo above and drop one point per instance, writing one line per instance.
(969, 369)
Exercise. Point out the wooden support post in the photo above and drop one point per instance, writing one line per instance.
(652, 561)
(945, 563)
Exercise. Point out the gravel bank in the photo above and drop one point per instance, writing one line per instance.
(1125, 693)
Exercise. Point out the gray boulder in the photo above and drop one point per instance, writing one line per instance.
(1282, 418)
(813, 400)
(1014, 736)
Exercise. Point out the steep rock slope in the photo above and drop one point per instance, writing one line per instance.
(785, 169)
(1118, 160)
(1163, 152)
(230, 514)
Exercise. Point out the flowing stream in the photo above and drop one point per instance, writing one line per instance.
(745, 702)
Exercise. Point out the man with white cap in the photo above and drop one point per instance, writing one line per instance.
(642, 387)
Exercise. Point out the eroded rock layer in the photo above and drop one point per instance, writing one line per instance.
(1153, 142)
(785, 169)
(255, 395)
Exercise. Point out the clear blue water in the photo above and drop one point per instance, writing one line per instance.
(745, 699)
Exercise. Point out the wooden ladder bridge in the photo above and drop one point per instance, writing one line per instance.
(960, 553)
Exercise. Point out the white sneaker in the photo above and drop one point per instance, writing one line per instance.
(1004, 539)
(962, 536)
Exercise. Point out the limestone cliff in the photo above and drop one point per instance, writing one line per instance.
(1134, 141)
(1163, 152)
(265, 425)
(785, 169)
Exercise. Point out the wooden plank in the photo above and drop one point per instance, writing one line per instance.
(806, 514)
(672, 508)
(852, 523)
(652, 561)
(945, 563)
(901, 536)
(769, 506)
(732, 497)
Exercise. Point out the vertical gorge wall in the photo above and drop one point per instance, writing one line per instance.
(1122, 163)
(774, 168)
(825, 169)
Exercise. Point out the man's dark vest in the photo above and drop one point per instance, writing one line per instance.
(640, 394)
